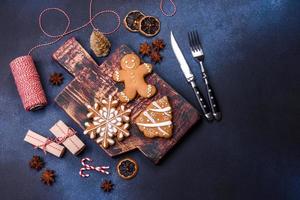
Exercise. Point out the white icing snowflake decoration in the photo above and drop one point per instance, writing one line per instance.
(109, 121)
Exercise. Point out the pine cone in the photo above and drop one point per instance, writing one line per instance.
(99, 44)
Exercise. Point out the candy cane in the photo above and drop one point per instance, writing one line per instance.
(87, 167)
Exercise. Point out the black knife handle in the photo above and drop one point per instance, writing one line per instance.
(205, 109)
(212, 99)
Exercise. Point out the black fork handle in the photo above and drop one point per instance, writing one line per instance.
(211, 96)
(205, 109)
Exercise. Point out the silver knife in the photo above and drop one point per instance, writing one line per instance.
(190, 78)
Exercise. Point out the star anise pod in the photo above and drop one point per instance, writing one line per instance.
(158, 44)
(145, 49)
(107, 186)
(36, 163)
(56, 79)
(155, 57)
(48, 177)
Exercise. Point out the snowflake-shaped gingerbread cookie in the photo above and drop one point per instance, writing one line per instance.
(110, 121)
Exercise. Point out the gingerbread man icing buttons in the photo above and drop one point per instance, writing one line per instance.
(132, 73)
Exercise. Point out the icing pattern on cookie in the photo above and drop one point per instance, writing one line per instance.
(133, 73)
(109, 120)
(148, 67)
(156, 120)
(149, 91)
(160, 109)
(124, 97)
(117, 76)
(155, 124)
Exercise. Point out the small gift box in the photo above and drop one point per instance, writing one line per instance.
(44, 143)
(67, 136)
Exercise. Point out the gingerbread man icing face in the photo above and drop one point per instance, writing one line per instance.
(132, 73)
(130, 61)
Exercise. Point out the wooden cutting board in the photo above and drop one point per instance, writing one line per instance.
(91, 78)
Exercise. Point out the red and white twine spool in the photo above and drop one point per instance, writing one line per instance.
(87, 167)
(28, 83)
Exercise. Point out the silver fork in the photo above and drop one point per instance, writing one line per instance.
(198, 54)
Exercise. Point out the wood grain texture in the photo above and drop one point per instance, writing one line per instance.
(91, 79)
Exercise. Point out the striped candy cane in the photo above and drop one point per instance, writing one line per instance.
(87, 167)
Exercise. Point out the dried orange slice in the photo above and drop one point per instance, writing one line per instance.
(149, 26)
(132, 19)
(127, 168)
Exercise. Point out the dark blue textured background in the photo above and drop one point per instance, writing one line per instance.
(252, 53)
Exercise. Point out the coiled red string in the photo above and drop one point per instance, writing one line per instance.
(28, 83)
(67, 31)
(164, 12)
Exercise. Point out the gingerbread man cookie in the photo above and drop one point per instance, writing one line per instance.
(132, 73)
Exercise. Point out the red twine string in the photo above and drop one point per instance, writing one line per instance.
(28, 83)
(62, 139)
(44, 145)
(67, 135)
(164, 12)
(87, 167)
(67, 31)
(58, 140)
